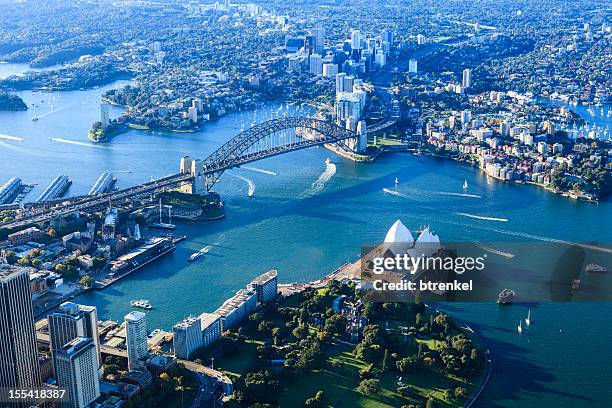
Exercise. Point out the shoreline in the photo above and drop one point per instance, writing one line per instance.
(567, 194)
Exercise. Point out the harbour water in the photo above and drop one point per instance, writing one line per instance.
(306, 217)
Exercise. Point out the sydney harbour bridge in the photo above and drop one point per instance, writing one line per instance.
(267, 139)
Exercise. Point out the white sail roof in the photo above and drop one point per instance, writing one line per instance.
(428, 243)
(399, 233)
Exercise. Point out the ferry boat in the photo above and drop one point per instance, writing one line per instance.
(197, 254)
(595, 268)
(505, 296)
(142, 303)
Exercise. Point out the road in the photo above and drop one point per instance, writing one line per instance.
(38, 214)
(218, 376)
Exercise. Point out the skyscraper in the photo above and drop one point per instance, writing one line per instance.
(316, 65)
(467, 78)
(70, 321)
(77, 372)
(104, 118)
(340, 82)
(18, 355)
(136, 340)
(319, 36)
(356, 40)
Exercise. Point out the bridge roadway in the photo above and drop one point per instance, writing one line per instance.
(39, 215)
(259, 142)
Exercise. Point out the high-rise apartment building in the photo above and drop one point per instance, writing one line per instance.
(136, 338)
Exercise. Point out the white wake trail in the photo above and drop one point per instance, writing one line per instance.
(77, 143)
(479, 217)
(319, 185)
(9, 137)
(250, 184)
(457, 194)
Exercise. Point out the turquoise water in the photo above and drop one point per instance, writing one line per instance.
(306, 218)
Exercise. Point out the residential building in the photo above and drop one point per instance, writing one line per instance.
(211, 328)
(136, 338)
(265, 286)
(187, 337)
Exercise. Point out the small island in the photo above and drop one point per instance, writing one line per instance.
(10, 102)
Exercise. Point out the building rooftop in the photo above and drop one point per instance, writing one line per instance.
(8, 271)
(208, 319)
(134, 316)
(265, 277)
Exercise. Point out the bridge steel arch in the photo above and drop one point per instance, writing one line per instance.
(266, 139)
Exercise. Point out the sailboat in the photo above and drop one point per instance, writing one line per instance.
(520, 327)
(465, 184)
(396, 181)
(528, 319)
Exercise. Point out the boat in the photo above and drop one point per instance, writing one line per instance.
(465, 184)
(142, 303)
(520, 327)
(595, 268)
(528, 319)
(396, 181)
(505, 296)
(197, 254)
(35, 118)
(576, 284)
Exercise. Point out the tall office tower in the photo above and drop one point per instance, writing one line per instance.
(347, 83)
(413, 66)
(356, 40)
(18, 355)
(340, 82)
(319, 36)
(104, 119)
(316, 64)
(70, 321)
(136, 331)
(421, 39)
(77, 372)
(387, 36)
(467, 78)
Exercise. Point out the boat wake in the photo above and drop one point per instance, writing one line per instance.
(319, 185)
(258, 170)
(250, 184)
(457, 194)
(495, 251)
(9, 137)
(395, 193)
(479, 217)
(77, 143)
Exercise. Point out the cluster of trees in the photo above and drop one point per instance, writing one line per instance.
(587, 177)
(10, 102)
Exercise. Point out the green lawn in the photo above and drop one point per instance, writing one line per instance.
(340, 378)
(235, 366)
(335, 382)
